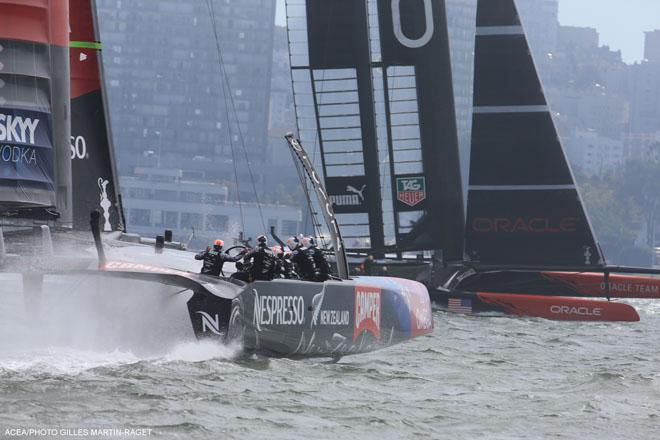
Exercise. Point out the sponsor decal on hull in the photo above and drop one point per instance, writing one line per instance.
(419, 305)
(209, 323)
(620, 286)
(577, 311)
(327, 317)
(278, 310)
(367, 311)
(335, 317)
(560, 308)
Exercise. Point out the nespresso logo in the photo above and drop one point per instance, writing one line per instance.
(535, 225)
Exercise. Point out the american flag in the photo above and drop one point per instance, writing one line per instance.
(460, 305)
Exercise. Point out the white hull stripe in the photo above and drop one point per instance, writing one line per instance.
(520, 187)
(499, 30)
(512, 109)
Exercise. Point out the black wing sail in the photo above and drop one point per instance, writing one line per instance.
(418, 105)
(377, 100)
(330, 61)
(524, 208)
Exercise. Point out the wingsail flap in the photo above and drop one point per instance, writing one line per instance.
(373, 90)
(330, 60)
(523, 205)
(418, 101)
(95, 185)
(33, 120)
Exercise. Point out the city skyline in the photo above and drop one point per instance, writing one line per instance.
(620, 28)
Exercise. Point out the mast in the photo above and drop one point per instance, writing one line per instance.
(524, 208)
(326, 204)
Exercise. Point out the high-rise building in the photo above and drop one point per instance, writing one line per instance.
(652, 46)
(188, 115)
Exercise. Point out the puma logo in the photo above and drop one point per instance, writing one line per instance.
(359, 192)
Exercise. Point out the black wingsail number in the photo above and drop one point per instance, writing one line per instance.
(398, 27)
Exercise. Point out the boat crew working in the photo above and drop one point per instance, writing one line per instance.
(214, 259)
(303, 262)
(317, 255)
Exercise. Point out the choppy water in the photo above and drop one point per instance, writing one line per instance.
(492, 378)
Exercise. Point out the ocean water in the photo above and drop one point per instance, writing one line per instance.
(105, 356)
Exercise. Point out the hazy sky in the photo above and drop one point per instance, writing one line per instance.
(621, 23)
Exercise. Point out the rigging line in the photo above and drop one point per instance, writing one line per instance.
(209, 6)
(231, 142)
(316, 224)
(303, 181)
(235, 113)
(317, 138)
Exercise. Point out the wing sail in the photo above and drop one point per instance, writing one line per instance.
(523, 205)
(34, 136)
(376, 99)
(95, 185)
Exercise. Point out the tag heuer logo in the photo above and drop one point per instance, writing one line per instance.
(410, 190)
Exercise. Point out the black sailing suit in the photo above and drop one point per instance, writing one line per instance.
(264, 263)
(214, 259)
(304, 265)
(285, 268)
(321, 263)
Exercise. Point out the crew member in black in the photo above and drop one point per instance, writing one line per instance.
(284, 267)
(214, 259)
(303, 262)
(263, 261)
(367, 265)
(321, 263)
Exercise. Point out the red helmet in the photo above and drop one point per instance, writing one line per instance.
(219, 242)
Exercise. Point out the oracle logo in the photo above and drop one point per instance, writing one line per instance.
(535, 225)
(580, 311)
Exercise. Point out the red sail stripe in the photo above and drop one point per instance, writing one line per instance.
(85, 75)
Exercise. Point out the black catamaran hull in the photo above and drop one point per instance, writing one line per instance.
(296, 318)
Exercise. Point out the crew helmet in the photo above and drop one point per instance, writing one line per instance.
(292, 243)
(262, 240)
(306, 241)
(219, 243)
